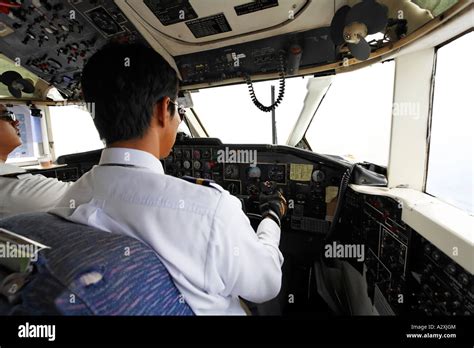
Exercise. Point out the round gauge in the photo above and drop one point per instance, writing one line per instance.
(178, 165)
(206, 154)
(197, 154)
(186, 165)
(277, 173)
(318, 176)
(254, 173)
(231, 172)
(178, 154)
(187, 154)
(197, 165)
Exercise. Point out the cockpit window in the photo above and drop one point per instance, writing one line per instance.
(73, 130)
(354, 119)
(183, 127)
(451, 164)
(229, 114)
(31, 134)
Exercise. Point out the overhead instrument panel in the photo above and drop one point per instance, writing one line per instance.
(171, 11)
(53, 38)
(286, 54)
(202, 21)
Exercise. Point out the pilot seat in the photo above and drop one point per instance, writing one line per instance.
(87, 272)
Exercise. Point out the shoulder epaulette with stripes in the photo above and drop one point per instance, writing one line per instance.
(199, 181)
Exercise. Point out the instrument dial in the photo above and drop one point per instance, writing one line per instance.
(232, 172)
(206, 154)
(178, 154)
(254, 173)
(277, 173)
(318, 176)
(186, 165)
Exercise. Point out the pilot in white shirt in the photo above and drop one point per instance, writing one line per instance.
(21, 192)
(200, 233)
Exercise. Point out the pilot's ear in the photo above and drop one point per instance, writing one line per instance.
(160, 112)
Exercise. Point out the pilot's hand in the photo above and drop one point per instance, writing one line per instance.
(272, 203)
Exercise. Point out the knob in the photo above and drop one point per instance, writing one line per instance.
(455, 304)
(447, 295)
(451, 268)
(464, 279)
(436, 256)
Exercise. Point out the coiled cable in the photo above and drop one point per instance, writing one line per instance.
(281, 93)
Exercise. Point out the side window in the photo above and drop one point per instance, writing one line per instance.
(451, 164)
(31, 136)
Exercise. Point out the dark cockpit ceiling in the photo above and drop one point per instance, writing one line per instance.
(207, 42)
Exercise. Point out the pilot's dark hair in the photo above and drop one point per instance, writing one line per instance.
(124, 82)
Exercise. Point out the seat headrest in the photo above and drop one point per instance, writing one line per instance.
(88, 271)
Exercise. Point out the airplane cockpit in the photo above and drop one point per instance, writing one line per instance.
(356, 112)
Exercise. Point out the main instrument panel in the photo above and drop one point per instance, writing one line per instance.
(310, 183)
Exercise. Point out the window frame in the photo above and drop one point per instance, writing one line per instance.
(315, 116)
(430, 115)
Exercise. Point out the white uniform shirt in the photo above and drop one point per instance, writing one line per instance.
(28, 193)
(200, 233)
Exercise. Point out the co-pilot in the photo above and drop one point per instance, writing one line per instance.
(21, 192)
